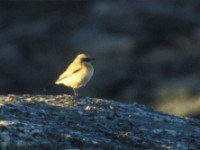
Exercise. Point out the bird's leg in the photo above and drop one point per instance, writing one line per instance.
(74, 90)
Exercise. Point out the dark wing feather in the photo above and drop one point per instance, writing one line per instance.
(67, 75)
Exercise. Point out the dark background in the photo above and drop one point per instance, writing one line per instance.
(147, 51)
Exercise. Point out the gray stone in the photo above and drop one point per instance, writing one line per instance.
(102, 124)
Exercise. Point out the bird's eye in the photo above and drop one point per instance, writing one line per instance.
(85, 59)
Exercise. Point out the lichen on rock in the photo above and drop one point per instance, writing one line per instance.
(65, 122)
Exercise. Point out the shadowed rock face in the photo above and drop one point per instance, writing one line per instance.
(63, 122)
(147, 51)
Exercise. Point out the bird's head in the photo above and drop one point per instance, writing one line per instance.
(84, 58)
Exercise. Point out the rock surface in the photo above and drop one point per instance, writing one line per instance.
(63, 122)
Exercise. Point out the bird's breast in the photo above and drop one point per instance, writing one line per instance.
(87, 72)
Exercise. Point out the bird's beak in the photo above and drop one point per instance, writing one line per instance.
(90, 59)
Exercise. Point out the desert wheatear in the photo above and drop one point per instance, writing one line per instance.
(78, 73)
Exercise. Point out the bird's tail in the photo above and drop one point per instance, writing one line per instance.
(49, 87)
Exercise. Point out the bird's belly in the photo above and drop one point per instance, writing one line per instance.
(78, 79)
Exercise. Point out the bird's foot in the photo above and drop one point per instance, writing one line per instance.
(77, 97)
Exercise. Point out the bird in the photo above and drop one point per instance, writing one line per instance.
(77, 74)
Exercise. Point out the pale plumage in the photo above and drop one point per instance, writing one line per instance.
(78, 73)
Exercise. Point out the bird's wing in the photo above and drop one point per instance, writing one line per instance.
(69, 71)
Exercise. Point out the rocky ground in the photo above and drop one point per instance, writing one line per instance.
(64, 122)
